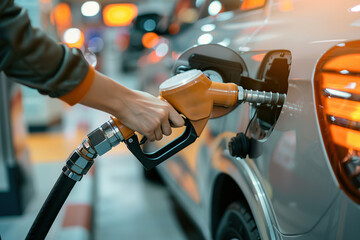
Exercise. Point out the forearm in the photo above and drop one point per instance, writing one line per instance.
(30, 57)
(106, 95)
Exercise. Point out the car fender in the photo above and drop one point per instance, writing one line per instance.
(245, 174)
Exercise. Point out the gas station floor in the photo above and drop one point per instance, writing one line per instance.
(124, 205)
(130, 207)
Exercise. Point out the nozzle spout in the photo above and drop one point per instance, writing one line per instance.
(223, 94)
(261, 97)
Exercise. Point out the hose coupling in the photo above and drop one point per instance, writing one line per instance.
(70, 174)
(261, 97)
(80, 161)
(98, 142)
(105, 137)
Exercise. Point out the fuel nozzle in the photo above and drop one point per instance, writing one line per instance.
(196, 96)
(261, 97)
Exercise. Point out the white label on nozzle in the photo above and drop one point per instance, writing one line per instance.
(180, 79)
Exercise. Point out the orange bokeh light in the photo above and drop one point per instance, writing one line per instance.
(174, 28)
(251, 4)
(61, 17)
(153, 58)
(258, 57)
(150, 39)
(121, 14)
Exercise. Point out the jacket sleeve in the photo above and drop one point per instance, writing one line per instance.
(31, 58)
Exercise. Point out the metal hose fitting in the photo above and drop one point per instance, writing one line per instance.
(80, 161)
(98, 142)
(261, 97)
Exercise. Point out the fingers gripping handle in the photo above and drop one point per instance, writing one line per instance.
(126, 132)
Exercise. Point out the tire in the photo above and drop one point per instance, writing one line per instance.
(237, 223)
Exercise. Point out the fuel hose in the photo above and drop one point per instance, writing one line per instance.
(51, 208)
(79, 162)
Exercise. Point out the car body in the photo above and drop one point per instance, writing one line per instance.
(300, 183)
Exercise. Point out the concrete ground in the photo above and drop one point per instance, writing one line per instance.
(130, 207)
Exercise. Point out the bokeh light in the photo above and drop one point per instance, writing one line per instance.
(90, 8)
(205, 38)
(149, 25)
(73, 37)
(95, 44)
(208, 27)
(162, 49)
(150, 39)
(214, 8)
(120, 14)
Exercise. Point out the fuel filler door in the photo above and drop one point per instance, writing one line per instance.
(218, 63)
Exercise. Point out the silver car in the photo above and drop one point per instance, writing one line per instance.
(272, 172)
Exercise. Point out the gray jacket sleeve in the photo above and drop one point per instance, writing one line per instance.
(31, 58)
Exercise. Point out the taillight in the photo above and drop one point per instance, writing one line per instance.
(337, 99)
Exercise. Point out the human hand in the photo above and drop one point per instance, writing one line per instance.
(148, 115)
(137, 110)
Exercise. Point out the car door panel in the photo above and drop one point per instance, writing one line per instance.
(294, 147)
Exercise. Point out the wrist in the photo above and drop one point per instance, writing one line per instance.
(106, 95)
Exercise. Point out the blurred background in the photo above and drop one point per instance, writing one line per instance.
(116, 201)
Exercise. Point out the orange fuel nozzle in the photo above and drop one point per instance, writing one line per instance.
(194, 95)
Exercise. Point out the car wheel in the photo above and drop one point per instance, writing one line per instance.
(237, 223)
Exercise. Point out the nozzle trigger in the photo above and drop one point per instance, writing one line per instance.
(150, 160)
(143, 140)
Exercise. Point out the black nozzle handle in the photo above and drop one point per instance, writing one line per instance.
(150, 160)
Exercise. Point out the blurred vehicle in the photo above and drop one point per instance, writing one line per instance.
(133, 40)
(149, 29)
(300, 177)
(177, 27)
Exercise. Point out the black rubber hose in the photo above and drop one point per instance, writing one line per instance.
(51, 208)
